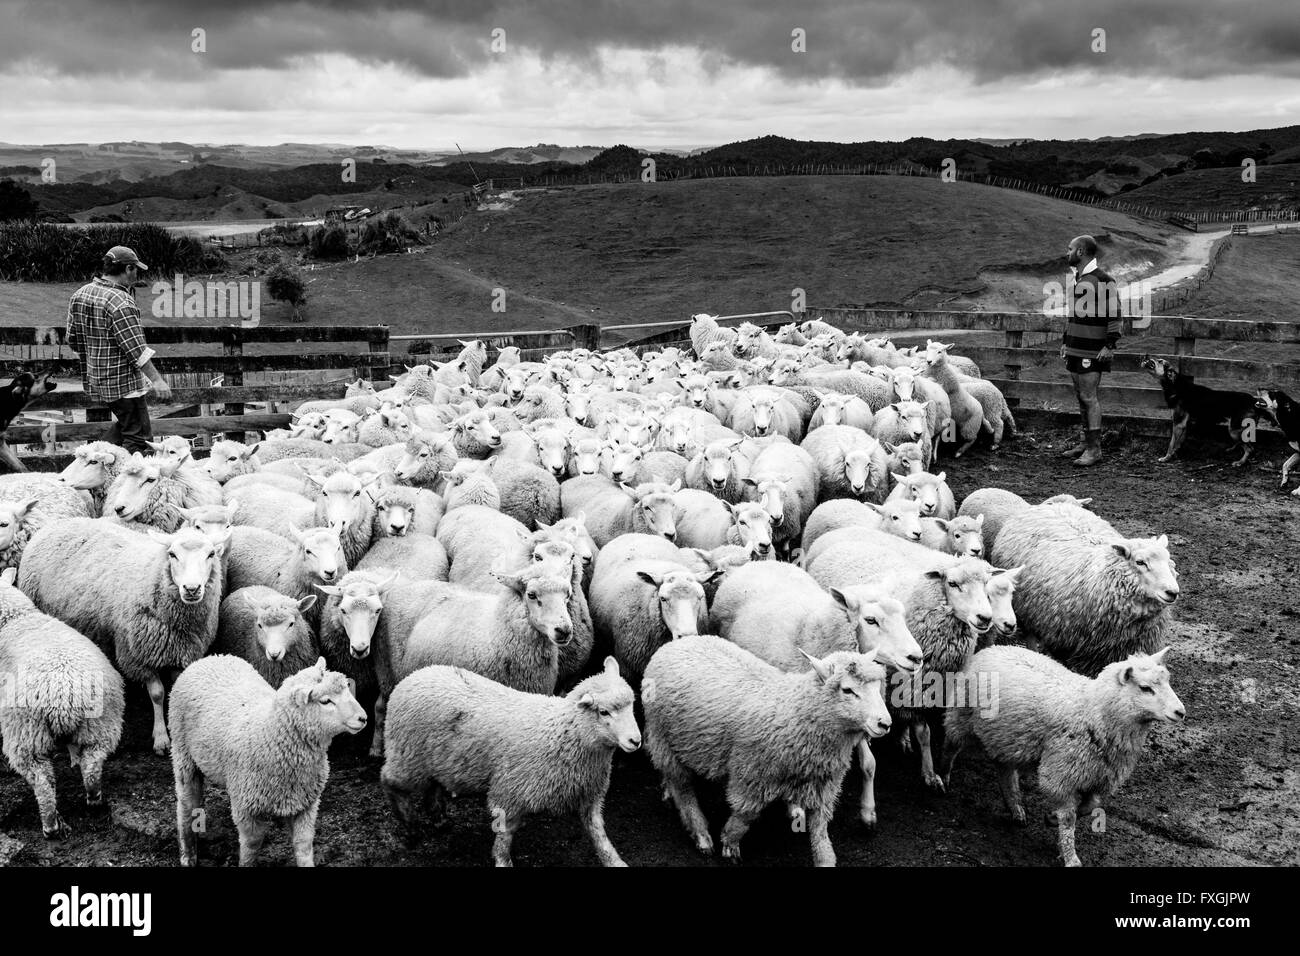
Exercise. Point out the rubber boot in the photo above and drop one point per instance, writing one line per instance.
(1092, 454)
(1074, 451)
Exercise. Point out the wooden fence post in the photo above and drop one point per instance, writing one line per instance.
(232, 345)
(1184, 345)
(585, 336)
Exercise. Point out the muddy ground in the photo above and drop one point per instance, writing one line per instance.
(1220, 789)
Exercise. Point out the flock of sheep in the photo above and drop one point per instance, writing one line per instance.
(748, 545)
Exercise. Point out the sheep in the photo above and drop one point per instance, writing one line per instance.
(474, 537)
(762, 412)
(615, 510)
(269, 451)
(230, 459)
(292, 566)
(467, 487)
(417, 462)
(268, 479)
(540, 401)
(962, 536)
(357, 404)
(152, 492)
(262, 505)
(384, 427)
(494, 376)
(930, 491)
(715, 710)
(266, 628)
(997, 505)
(28, 502)
(93, 468)
(268, 748)
(158, 608)
(584, 459)
(298, 468)
(967, 415)
(639, 604)
(58, 690)
(528, 493)
(997, 414)
(1089, 603)
(905, 422)
(902, 518)
(1086, 736)
(348, 621)
(706, 523)
(1062, 518)
(453, 731)
(418, 556)
(705, 330)
(512, 636)
(783, 479)
(836, 409)
(343, 427)
(548, 447)
(815, 327)
(400, 509)
(850, 463)
(907, 458)
(869, 389)
(908, 387)
(720, 470)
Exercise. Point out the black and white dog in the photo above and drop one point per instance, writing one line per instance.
(1280, 407)
(13, 399)
(1208, 405)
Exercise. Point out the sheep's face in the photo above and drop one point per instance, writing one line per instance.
(342, 503)
(753, 529)
(923, 488)
(854, 686)
(514, 384)
(788, 335)
(280, 625)
(12, 516)
(901, 518)
(228, 459)
(328, 694)
(678, 437)
(936, 354)
(173, 448)
(904, 380)
(965, 588)
(966, 536)
(1001, 588)
(415, 458)
(859, 471)
(911, 419)
(573, 532)
(322, 552)
(478, 426)
(140, 482)
(784, 370)
(191, 560)
(577, 405)
(906, 458)
(546, 600)
(620, 461)
(88, 469)
(715, 352)
(552, 451)
(338, 432)
(747, 338)
(360, 602)
(771, 495)
(658, 509)
(764, 417)
(880, 623)
(832, 409)
(586, 456)
(393, 516)
(719, 464)
(680, 595)
(396, 421)
(311, 425)
(1153, 569)
(696, 389)
(640, 430)
(1144, 683)
(212, 521)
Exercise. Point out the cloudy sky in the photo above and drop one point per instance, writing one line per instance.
(653, 73)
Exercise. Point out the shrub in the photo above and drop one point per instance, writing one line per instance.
(44, 252)
(328, 242)
(387, 233)
(284, 283)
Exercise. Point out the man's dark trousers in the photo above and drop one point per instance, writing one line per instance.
(131, 429)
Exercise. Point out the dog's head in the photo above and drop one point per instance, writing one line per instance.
(1156, 366)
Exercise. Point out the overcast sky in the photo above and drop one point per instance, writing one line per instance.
(652, 73)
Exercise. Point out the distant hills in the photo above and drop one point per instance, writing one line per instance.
(174, 180)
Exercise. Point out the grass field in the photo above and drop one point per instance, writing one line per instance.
(1222, 189)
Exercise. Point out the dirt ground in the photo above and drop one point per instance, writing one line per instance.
(1219, 789)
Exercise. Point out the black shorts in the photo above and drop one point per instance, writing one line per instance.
(1074, 363)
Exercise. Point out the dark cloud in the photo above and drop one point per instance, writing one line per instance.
(864, 43)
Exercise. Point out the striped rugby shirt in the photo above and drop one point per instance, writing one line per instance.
(104, 329)
(1094, 319)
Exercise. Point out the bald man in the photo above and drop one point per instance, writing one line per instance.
(1091, 334)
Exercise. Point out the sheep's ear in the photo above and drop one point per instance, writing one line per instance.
(1013, 573)
(580, 517)
(24, 506)
(10, 574)
(649, 577)
(307, 603)
(940, 523)
(1123, 550)
(513, 581)
(587, 702)
(841, 599)
(1124, 675)
(1163, 540)
(316, 479)
(385, 586)
(1158, 657)
(901, 479)
(676, 486)
(750, 481)
(330, 589)
(541, 525)
(611, 665)
(156, 445)
(250, 451)
(943, 476)
(979, 520)
(889, 449)
(824, 670)
(934, 575)
(296, 533)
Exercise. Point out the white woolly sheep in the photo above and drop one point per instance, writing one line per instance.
(266, 628)
(962, 536)
(528, 493)
(907, 458)
(996, 505)
(783, 479)
(230, 459)
(474, 538)
(348, 621)
(292, 566)
(904, 422)
(762, 412)
(967, 415)
(456, 732)
(419, 557)
(611, 510)
(720, 470)
(59, 691)
(466, 487)
(997, 414)
(268, 748)
(850, 463)
(158, 608)
(930, 491)
(400, 509)
(152, 492)
(706, 522)
(836, 409)
(1086, 736)
(1058, 519)
(901, 518)
(28, 502)
(93, 468)
(715, 710)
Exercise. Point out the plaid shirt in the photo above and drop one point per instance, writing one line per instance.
(104, 329)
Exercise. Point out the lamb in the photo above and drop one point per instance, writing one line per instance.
(961, 536)
(528, 493)
(585, 458)
(967, 415)
(997, 414)
(931, 492)
(292, 566)
(344, 428)
(837, 409)
(705, 330)
(512, 636)
(267, 629)
(467, 487)
(905, 422)
(348, 622)
(356, 404)
(456, 732)
(638, 604)
(719, 469)
(400, 509)
(158, 609)
(153, 491)
(901, 518)
(59, 690)
(784, 481)
(706, 523)
(418, 556)
(612, 511)
(268, 748)
(715, 710)
(907, 458)
(908, 386)
(850, 463)
(230, 459)
(662, 466)
(93, 468)
(1086, 736)
(28, 502)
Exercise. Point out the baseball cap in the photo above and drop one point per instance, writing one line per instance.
(127, 255)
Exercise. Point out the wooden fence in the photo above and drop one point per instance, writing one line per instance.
(258, 369)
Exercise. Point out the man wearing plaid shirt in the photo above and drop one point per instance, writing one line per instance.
(117, 366)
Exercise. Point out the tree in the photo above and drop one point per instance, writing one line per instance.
(285, 284)
(16, 203)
